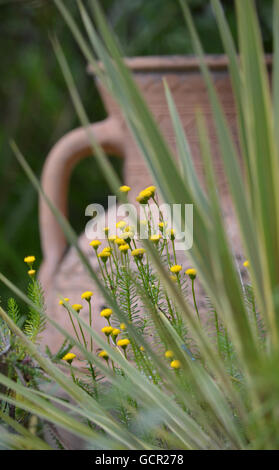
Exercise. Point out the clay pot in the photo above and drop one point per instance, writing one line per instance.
(61, 271)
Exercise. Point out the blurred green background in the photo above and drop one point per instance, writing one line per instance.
(36, 109)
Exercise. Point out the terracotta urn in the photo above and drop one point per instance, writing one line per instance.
(61, 271)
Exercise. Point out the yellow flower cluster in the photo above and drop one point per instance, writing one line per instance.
(77, 307)
(124, 189)
(123, 343)
(175, 364)
(105, 254)
(147, 193)
(176, 269)
(87, 295)
(124, 248)
(106, 313)
(138, 253)
(103, 354)
(30, 260)
(69, 357)
(192, 273)
(107, 330)
(95, 244)
(155, 238)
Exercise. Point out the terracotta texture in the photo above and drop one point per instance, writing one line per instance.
(61, 271)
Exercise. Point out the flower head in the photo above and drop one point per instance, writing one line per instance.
(112, 238)
(124, 248)
(107, 330)
(104, 255)
(138, 253)
(124, 189)
(106, 312)
(87, 295)
(161, 226)
(115, 332)
(77, 307)
(123, 326)
(69, 357)
(155, 238)
(175, 364)
(151, 189)
(61, 302)
(123, 343)
(103, 354)
(119, 241)
(144, 196)
(121, 224)
(169, 354)
(142, 348)
(106, 230)
(192, 273)
(95, 244)
(108, 249)
(29, 260)
(246, 264)
(176, 268)
(31, 272)
(171, 233)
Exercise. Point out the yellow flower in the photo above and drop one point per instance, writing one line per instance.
(124, 189)
(176, 268)
(171, 233)
(161, 226)
(104, 255)
(119, 241)
(29, 259)
(69, 358)
(77, 307)
(123, 326)
(31, 272)
(107, 330)
(144, 196)
(112, 238)
(95, 244)
(192, 273)
(123, 343)
(61, 302)
(106, 313)
(115, 332)
(175, 364)
(121, 224)
(124, 248)
(138, 253)
(127, 236)
(169, 354)
(173, 278)
(103, 354)
(87, 295)
(155, 238)
(129, 228)
(107, 249)
(106, 230)
(142, 348)
(246, 264)
(151, 189)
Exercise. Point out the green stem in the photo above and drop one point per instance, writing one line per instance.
(194, 298)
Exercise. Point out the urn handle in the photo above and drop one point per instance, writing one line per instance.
(60, 162)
